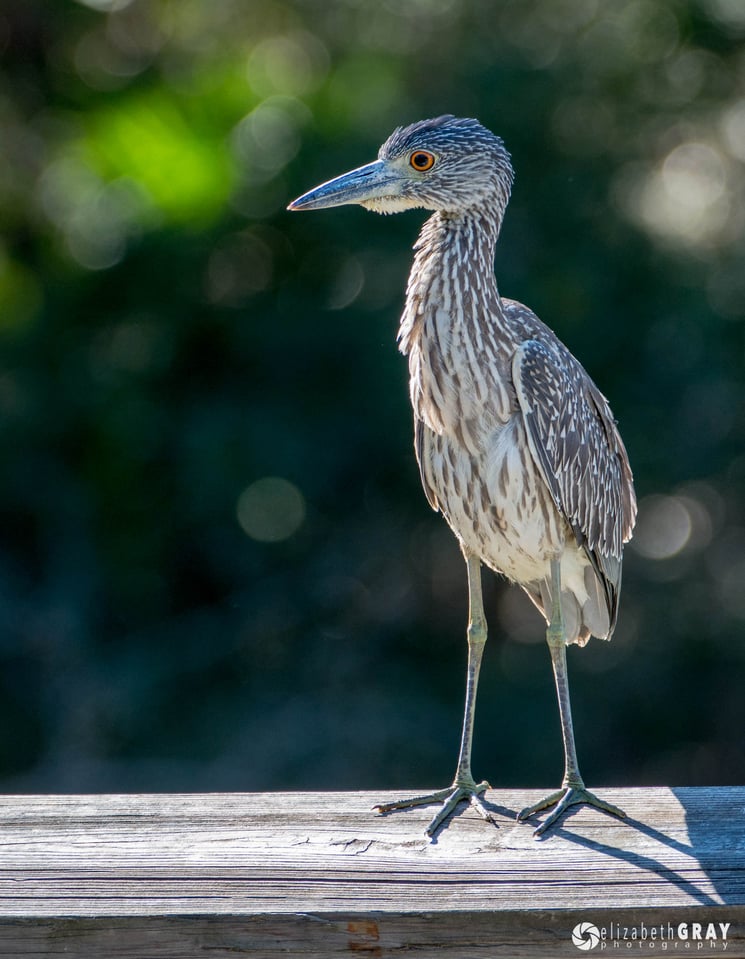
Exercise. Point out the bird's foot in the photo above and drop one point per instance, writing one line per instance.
(564, 798)
(448, 798)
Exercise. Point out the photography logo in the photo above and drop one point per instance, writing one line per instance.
(585, 935)
(660, 937)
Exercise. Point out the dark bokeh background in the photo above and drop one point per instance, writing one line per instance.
(217, 568)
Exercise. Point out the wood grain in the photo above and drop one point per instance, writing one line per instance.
(320, 874)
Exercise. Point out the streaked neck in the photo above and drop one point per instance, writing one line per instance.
(453, 272)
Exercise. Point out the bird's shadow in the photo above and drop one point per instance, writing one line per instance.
(699, 835)
(648, 862)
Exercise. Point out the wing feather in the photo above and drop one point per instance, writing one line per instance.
(575, 444)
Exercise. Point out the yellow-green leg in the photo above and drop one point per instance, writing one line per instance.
(464, 786)
(573, 791)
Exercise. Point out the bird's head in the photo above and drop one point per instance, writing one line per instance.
(447, 164)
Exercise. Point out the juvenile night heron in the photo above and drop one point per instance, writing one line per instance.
(516, 446)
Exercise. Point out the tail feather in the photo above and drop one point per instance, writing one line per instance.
(591, 618)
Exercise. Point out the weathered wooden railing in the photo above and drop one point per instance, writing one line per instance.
(268, 875)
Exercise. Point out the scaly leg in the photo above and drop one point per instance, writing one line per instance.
(464, 785)
(573, 791)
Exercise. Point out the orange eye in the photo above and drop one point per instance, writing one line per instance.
(422, 161)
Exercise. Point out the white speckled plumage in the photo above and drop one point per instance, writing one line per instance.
(516, 445)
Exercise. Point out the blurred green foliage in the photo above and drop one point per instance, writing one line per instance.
(217, 569)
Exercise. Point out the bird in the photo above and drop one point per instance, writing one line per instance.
(517, 447)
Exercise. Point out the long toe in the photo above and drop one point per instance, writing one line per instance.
(457, 794)
(563, 799)
(425, 800)
(542, 804)
(448, 800)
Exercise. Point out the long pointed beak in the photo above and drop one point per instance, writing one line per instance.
(374, 181)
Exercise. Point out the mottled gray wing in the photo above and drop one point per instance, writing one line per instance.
(575, 444)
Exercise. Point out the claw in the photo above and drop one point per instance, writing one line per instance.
(563, 799)
(448, 799)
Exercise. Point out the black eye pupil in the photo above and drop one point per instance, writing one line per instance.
(421, 159)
